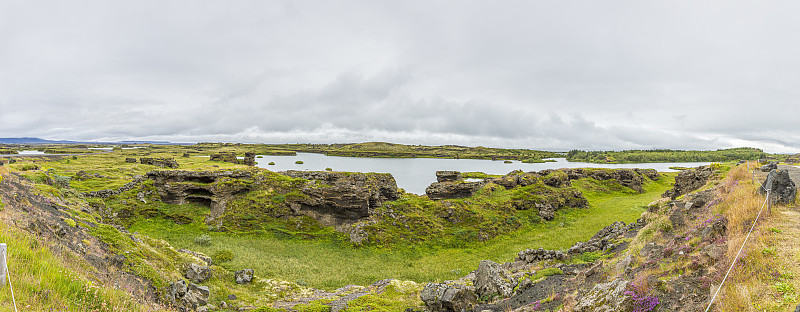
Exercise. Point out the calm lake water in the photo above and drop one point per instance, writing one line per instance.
(415, 174)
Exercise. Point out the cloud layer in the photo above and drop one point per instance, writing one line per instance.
(544, 75)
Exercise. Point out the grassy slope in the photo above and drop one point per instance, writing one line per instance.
(43, 281)
(330, 264)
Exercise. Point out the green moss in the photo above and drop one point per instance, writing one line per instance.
(313, 306)
(223, 256)
(546, 272)
(70, 222)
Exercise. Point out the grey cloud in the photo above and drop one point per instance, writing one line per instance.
(553, 75)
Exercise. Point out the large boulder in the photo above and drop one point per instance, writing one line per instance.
(781, 186)
(337, 198)
(605, 297)
(244, 276)
(186, 297)
(769, 167)
(689, 180)
(197, 273)
(492, 280)
(450, 190)
(443, 297)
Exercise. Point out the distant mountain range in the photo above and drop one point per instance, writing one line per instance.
(44, 141)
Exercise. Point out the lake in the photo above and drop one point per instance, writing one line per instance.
(415, 174)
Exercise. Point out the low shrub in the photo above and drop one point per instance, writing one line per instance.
(222, 256)
(203, 240)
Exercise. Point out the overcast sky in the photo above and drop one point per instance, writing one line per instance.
(530, 74)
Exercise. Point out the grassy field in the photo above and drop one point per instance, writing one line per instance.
(330, 263)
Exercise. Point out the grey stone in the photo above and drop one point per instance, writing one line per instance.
(491, 279)
(188, 296)
(198, 273)
(441, 297)
(244, 276)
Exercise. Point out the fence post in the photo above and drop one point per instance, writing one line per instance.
(3, 265)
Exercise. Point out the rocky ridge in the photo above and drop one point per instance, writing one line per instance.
(690, 240)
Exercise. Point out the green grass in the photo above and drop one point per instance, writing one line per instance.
(331, 263)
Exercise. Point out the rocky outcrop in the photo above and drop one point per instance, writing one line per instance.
(243, 276)
(159, 162)
(781, 186)
(603, 240)
(443, 297)
(229, 157)
(188, 296)
(197, 273)
(450, 190)
(492, 280)
(130, 160)
(631, 178)
(249, 159)
(606, 297)
(517, 178)
(211, 188)
(337, 198)
(689, 180)
(448, 176)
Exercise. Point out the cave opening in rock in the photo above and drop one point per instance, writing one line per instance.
(199, 192)
(199, 200)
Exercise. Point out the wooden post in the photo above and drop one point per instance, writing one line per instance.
(3, 265)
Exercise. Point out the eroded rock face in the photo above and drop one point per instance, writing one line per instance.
(606, 297)
(213, 189)
(244, 276)
(781, 186)
(448, 176)
(492, 280)
(450, 190)
(188, 296)
(442, 297)
(689, 180)
(336, 198)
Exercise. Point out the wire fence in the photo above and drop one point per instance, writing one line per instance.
(766, 186)
(4, 250)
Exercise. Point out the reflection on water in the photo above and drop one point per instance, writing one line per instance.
(415, 174)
